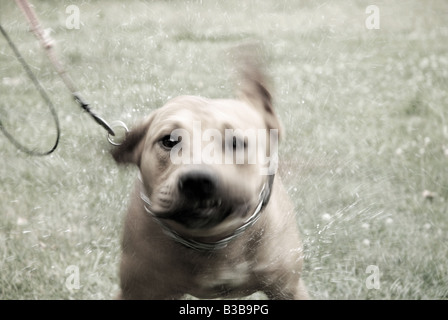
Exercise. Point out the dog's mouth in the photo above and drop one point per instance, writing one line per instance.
(200, 214)
(194, 213)
(207, 205)
(200, 199)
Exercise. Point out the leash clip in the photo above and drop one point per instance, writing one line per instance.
(121, 133)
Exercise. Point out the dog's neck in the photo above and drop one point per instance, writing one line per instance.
(264, 197)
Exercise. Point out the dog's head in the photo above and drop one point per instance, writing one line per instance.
(204, 162)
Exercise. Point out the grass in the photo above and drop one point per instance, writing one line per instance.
(365, 114)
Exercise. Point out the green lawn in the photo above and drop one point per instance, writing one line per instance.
(365, 114)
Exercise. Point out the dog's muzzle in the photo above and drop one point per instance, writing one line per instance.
(198, 184)
(200, 198)
(204, 186)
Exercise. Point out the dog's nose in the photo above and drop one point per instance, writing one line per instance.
(198, 184)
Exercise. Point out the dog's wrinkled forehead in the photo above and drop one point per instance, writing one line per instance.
(183, 112)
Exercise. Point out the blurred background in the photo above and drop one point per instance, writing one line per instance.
(361, 93)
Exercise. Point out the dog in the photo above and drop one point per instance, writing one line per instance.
(199, 221)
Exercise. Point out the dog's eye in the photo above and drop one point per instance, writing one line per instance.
(238, 143)
(168, 143)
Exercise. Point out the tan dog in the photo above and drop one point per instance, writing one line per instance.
(210, 227)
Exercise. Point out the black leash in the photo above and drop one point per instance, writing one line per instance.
(44, 96)
(47, 44)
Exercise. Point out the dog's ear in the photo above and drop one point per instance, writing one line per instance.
(131, 149)
(254, 87)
